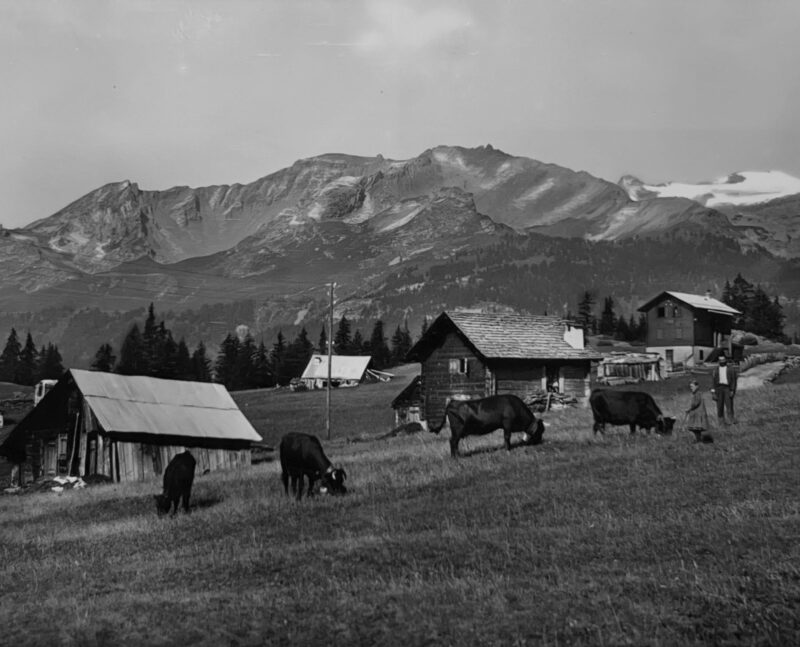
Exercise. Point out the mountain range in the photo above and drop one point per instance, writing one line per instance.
(386, 231)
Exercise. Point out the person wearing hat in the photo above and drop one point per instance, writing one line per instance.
(696, 416)
(724, 380)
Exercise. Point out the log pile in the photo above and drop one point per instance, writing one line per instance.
(541, 401)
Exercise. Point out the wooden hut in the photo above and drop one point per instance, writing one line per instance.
(630, 368)
(472, 355)
(408, 403)
(128, 428)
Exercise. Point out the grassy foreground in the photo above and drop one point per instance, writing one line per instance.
(616, 540)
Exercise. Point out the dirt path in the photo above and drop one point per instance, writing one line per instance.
(756, 376)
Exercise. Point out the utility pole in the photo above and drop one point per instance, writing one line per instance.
(330, 362)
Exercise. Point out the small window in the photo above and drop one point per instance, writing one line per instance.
(459, 365)
(661, 312)
(701, 355)
(676, 312)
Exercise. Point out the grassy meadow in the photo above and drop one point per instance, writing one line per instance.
(612, 540)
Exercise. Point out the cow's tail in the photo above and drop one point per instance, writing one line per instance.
(436, 430)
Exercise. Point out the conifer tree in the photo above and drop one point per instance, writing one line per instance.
(132, 354)
(51, 365)
(9, 358)
(244, 363)
(342, 340)
(225, 365)
(28, 363)
(184, 370)
(201, 365)
(151, 337)
(297, 355)
(322, 345)
(621, 330)
(277, 359)
(585, 312)
(358, 346)
(262, 373)
(401, 344)
(104, 359)
(379, 349)
(608, 319)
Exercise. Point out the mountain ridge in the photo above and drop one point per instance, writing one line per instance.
(386, 231)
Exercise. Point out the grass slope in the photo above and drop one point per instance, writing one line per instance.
(610, 540)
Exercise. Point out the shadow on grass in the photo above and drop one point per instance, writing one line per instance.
(206, 501)
(466, 453)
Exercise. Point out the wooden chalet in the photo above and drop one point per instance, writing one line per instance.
(469, 355)
(684, 329)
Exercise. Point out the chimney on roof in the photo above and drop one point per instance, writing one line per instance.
(573, 335)
(708, 294)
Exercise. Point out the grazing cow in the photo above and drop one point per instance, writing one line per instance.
(301, 455)
(634, 408)
(483, 416)
(178, 479)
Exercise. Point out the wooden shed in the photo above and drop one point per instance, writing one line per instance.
(408, 403)
(128, 428)
(472, 355)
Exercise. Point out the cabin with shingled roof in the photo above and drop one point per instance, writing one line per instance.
(468, 355)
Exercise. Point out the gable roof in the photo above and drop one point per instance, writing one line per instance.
(343, 367)
(503, 336)
(135, 408)
(696, 301)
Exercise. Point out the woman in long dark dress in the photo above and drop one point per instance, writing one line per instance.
(696, 416)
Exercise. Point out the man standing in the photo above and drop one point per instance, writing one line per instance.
(724, 381)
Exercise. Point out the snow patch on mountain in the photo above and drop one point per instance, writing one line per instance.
(402, 221)
(743, 188)
(534, 193)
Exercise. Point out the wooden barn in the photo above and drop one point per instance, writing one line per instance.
(472, 355)
(128, 428)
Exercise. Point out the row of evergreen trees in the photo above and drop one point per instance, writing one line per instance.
(24, 364)
(609, 323)
(241, 363)
(154, 352)
(761, 314)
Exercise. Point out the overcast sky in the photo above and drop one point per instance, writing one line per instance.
(168, 93)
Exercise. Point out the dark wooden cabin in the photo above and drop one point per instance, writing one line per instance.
(470, 355)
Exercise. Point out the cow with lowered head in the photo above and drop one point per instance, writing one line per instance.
(301, 455)
(485, 415)
(633, 408)
(178, 479)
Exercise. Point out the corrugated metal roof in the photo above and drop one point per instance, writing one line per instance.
(343, 367)
(134, 404)
(513, 336)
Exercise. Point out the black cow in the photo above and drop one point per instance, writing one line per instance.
(634, 408)
(483, 416)
(301, 456)
(178, 479)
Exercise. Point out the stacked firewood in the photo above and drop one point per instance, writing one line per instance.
(541, 401)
